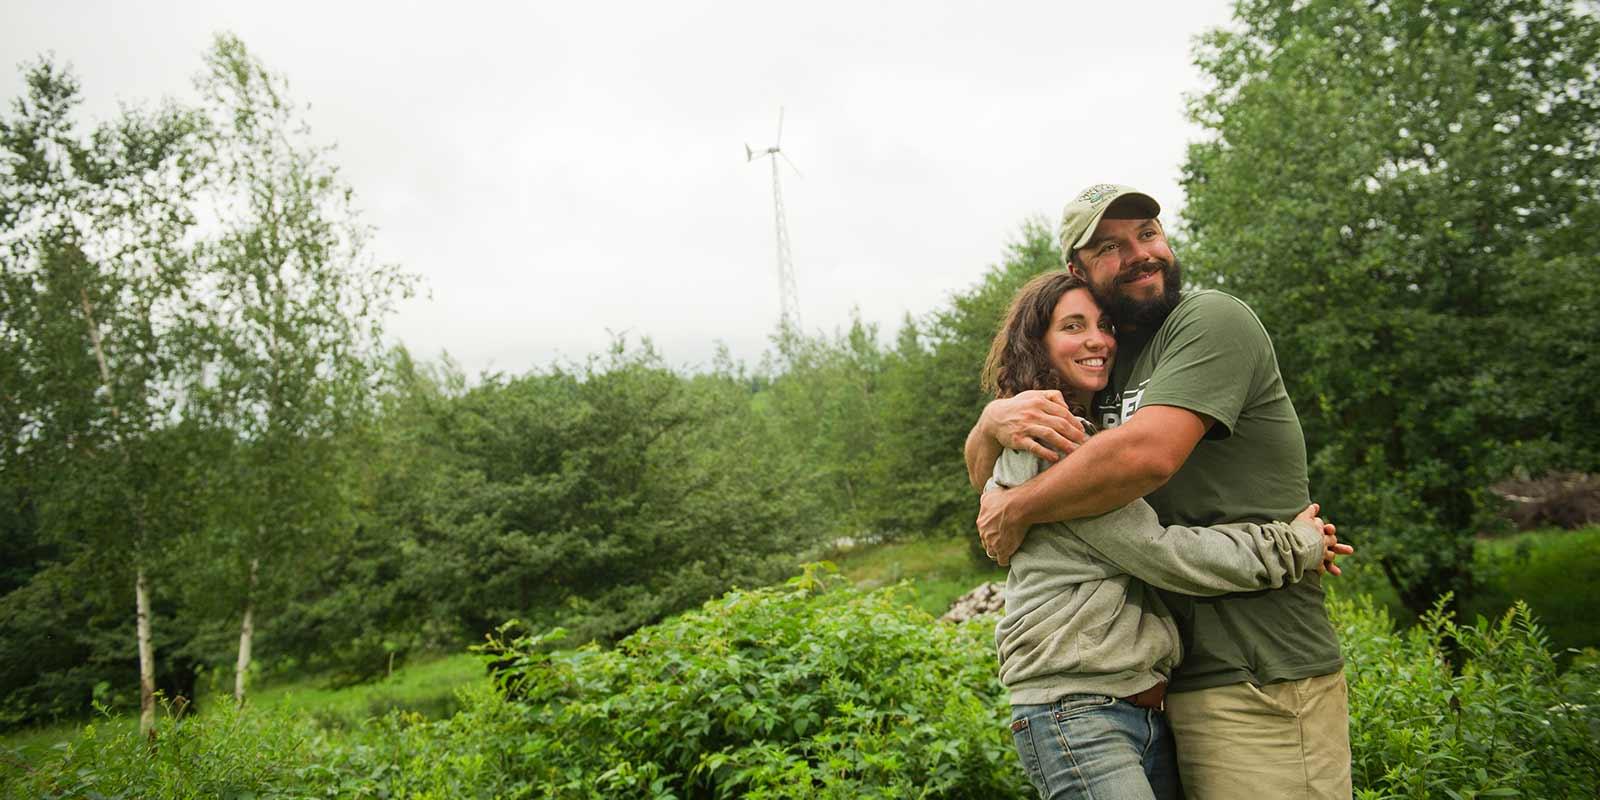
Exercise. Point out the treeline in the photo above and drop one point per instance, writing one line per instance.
(213, 468)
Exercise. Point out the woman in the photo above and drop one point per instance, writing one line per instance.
(1086, 644)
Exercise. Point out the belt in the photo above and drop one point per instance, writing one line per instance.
(1154, 697)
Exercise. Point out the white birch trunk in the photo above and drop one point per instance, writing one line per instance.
(147, 657)
(246, 633)
(141, 585)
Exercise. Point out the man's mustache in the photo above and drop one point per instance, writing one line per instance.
(1135, 273)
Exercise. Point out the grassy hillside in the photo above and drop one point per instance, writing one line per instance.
(940, 569)
(427, 687)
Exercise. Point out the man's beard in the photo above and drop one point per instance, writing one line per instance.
(1142, 314)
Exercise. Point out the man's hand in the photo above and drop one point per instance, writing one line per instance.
(1331, 547)
(1001, 532)
(1037, 421)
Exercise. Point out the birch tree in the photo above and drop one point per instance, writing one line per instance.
(296, 309)
(91, 282)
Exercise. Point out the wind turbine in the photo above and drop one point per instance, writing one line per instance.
(789, 301)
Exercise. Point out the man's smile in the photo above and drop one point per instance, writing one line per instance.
(1143, 273)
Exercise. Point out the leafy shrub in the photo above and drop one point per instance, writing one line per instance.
(801, 690)
(1505, 724)
(406, 755)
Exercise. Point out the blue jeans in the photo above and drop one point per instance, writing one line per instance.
(1094, 746)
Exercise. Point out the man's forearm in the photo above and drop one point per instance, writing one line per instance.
(1112, 469)
(1088, 484)
(981, 452)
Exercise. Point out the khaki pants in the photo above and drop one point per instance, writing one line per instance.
(1285, 740)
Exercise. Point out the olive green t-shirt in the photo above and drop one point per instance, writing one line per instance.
(1213, 357)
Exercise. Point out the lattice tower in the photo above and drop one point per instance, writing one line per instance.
(788, 296)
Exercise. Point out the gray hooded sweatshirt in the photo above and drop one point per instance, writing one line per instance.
(1081, 613)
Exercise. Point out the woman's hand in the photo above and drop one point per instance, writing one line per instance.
(1000, 532)
(1331, 547)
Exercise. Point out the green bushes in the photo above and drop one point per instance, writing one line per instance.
(806, 689)
(796, 691)
(1506, 724)
(813, 689)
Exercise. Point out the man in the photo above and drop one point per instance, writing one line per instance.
(1200, 426)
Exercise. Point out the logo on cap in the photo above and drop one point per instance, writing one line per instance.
(1097, 193)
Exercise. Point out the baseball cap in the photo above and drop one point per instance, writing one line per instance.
(1083, 213)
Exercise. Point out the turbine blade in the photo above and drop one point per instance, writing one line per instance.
(780, 128)
(791, 164)
(749, 155)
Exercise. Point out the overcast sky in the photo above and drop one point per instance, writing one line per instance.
(560, 171)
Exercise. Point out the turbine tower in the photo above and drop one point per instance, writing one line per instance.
(789, 300)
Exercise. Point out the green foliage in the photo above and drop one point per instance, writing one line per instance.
(172, 394)
(882, 429)
(932, 396)
(816, 689)
(806, 689)
(824, 404)
(601, 497)
(292, 330)
(1422, 249)
(228, 753)
(1503, 723)
(1556, 572)
(793, 691)
(94, 356)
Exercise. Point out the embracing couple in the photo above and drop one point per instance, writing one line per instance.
(1164, 610)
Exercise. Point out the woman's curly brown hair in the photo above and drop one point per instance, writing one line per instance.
(1017, 358)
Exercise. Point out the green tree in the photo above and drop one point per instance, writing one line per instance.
(600, 496)
(360, 604)
(1407, 192)
(91, 279)
(824, 401)
(295, 310)
(931, 394)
